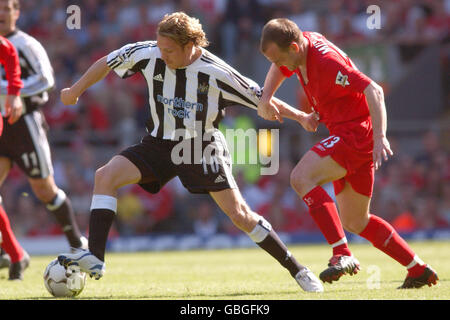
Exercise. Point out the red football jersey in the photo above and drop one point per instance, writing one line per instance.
(335, 86)
(10, 60)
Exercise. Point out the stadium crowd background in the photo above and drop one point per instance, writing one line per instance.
(412, 190)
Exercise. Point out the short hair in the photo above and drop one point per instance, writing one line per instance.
(15, 4)
(280, 31)
(182, 28)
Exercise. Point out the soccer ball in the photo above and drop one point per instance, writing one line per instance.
(63, 283)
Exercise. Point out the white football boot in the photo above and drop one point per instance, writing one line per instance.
(84, 259)
(308, 281)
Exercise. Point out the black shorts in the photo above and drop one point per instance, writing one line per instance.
(199, 172)
(26, 144)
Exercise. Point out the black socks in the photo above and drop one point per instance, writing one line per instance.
(99, 225)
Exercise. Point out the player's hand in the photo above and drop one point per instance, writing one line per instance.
(381, 151)
(68, 97)
(309, 121)
(13, 108)
(269, 111)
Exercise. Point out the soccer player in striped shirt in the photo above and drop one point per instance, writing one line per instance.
(188, 90)
(352, 107)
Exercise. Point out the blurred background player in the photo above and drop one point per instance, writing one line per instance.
(18, 258)
(188, 89)
(24, 140)
(352, 107)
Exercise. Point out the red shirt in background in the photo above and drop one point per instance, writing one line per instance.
(10, 60)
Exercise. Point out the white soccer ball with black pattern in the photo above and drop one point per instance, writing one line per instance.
(63, 283)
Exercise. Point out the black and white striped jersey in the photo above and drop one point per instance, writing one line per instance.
(36, 70)
(186, 98)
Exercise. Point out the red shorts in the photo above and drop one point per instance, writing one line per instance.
(351, 146)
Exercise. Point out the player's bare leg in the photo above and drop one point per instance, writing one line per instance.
(312, 171)
(306, 179)
(118, 172)
(60, 206)
(354, 209)
(235, 207)
(5, 166)
(261, 232)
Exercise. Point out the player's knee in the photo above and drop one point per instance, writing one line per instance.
(105, 177)
(299, 181)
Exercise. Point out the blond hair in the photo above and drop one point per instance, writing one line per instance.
(182, 28)
(15, 4)
(280, 31)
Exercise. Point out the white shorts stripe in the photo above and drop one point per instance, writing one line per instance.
(223, 148)
(40, 142)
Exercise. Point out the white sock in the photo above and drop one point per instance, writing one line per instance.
(260, 231)
(58, 201)
(100, 201)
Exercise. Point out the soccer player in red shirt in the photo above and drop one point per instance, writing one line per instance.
(12, 109)
(10, 60)
(352, 108)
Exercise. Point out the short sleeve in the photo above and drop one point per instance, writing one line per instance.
(131, 58)
(238, 89)
(341, 77)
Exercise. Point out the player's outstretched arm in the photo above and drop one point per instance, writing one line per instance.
(375, 99)
(94, 74)
(10, 60)
(309, 121)
(266, 109)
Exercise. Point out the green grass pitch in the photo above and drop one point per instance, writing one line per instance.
(241, 274)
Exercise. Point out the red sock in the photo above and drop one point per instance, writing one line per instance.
(383, 237)
(325, 214)
(10, 243)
